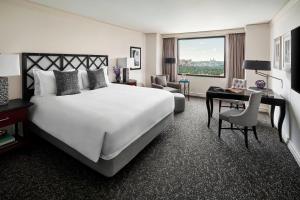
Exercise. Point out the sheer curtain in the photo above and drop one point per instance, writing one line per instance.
(236, 56)
(169, 52)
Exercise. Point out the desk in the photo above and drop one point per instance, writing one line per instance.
(270, 99)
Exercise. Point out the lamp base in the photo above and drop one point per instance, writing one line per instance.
(3, 91)
(125, 75)
(260, 84)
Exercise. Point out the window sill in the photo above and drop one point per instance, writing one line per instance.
(208, 76)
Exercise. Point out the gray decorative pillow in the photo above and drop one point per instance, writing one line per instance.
(66, 82)
(96, 79)
(161, 80)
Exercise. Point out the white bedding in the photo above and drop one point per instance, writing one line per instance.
(102, 122)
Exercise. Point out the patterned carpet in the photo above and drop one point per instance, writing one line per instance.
(187, 161)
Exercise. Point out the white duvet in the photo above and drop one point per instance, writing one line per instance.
(102, 122)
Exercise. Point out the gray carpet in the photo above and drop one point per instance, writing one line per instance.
(187, 161)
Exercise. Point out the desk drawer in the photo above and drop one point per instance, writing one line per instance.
(11, 117)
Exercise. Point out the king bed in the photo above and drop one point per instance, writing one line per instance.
(103, 128)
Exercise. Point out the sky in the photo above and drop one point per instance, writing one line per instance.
(202, 49)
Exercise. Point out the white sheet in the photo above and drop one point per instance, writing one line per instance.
(102, 122)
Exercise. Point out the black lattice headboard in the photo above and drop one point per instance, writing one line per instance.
(62, 62)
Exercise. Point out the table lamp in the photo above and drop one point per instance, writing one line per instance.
(125, 64)
(9, 66)
(260, 65)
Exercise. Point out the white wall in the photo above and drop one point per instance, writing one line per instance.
(27, 27)
(257, 47)
(153, 56)
(286, 20)
(199, 84)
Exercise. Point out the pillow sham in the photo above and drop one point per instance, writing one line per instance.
(161, 80)
(96, 79)
(79, 77)
(66, 82)
(37, 91)
(44, 82)
(85, 79)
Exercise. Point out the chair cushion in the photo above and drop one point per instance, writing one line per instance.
(179, 102)
(173, 90)
(161, 80)
(228, 113)
(239, 83)
(178, 95)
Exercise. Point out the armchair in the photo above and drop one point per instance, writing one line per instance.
(161, 82)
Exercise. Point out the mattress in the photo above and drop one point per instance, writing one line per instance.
(101, 123)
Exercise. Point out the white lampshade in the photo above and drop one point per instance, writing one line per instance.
(125, 62)
(9, 65)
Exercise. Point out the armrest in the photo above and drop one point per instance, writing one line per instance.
(173, 85)
(154, 85)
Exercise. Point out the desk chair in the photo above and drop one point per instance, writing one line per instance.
(243, 118)
(236, 84)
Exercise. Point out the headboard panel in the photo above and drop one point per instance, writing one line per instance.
(61, 62)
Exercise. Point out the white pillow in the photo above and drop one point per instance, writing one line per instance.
(37, 91)
(85, 79)
(44, 83)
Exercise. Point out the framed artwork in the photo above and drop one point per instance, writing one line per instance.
(135, 53)
(277, 53)
(286, 59)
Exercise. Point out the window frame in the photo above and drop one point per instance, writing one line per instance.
(200, 75)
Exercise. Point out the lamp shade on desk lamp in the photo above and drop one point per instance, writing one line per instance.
(257, 65)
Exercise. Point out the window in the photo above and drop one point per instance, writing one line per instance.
(202, 56)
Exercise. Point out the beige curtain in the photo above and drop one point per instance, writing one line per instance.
(169, 52)
(236, 56)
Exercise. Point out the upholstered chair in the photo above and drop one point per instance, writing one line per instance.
(162, 82)
(236, 84)
(243, 118)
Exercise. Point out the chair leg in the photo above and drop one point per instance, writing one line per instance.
(231, 105)
(237, 106)
(220, 127)
(255, 133)
(220, 105)
(246, 136)
(231, 125)
(244, 106)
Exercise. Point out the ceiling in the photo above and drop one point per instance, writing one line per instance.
(172, 16)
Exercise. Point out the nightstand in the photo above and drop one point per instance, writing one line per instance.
(11, 114)
(129, 82)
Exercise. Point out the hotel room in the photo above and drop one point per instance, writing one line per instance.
(131, 99)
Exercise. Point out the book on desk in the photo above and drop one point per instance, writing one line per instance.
(234, 90)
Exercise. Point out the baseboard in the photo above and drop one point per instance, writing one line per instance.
(197, 94)
(294, 152)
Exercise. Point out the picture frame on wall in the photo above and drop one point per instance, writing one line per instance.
(277, 53)
(135, 53)
(286, 53)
